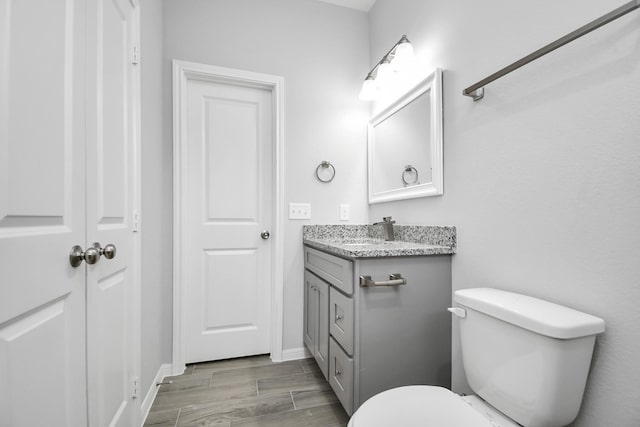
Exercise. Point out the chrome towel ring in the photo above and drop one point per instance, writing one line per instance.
(410, 170)
(325, 172)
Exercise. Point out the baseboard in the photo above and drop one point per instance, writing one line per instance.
(164, 371)
(295, 354)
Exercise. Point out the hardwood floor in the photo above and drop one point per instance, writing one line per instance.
(249, 391)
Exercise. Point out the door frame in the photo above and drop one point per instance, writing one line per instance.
(183, 72)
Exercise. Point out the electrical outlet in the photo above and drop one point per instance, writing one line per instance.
(344, 212)
(299, 210)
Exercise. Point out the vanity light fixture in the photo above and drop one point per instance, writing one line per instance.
(397, 59)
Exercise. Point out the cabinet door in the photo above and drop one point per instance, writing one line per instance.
(322, 338)
(310, 311)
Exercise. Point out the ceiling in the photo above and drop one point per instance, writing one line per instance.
(363, 5)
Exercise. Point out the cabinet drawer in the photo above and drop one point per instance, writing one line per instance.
(341, 319)
(341, 375)
(337, 271)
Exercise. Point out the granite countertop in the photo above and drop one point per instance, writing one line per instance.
(365, 241)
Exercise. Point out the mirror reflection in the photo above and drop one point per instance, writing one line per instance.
(402, 149)
(405, 145)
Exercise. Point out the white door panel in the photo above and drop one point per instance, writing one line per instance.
(42, 204)
(110, 153)
(228, 191)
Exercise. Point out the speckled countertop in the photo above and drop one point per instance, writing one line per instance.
(365, 241)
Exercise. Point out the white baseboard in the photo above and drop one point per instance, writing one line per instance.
(294, 354)
(164, 371)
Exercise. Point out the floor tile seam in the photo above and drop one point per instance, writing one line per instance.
(187, 389)
(256, 379)
(298, 387)
(314, 387)
(210, 379)
(257, 376)
(293, 401)
(287, 375)
(229, 402)
(232, 368)
(178, 417)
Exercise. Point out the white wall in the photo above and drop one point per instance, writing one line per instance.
(156, 201)
(321, 50)
(541, 176)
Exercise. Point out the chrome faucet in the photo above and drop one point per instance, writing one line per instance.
(387, 227)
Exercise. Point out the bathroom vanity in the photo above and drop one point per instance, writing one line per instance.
(375, 312)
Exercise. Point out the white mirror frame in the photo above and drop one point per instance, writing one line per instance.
(434, 188)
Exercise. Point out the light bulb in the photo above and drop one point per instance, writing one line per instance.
(369, 90)
(402, 57)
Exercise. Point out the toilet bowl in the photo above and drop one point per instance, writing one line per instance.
(526, 359)
(427, 406)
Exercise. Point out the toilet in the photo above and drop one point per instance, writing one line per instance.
(526, 360)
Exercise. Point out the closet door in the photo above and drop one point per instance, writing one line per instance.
(111, 156)
(42, 213)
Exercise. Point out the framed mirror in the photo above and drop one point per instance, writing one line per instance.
(405, 145)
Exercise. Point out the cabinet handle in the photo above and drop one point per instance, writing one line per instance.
(338, 372)
(339, 317)
(395, 279)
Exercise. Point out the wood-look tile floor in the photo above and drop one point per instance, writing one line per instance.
(249, 391)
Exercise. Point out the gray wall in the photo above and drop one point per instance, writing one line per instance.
(156, 201)
(321, 50)
(541, 177)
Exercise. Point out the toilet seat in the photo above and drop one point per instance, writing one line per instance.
(418, 406)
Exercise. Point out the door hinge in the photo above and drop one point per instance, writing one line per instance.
(136, 222)
(135, 384)
(135, 54)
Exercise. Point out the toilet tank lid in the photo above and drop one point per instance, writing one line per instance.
(531, 313)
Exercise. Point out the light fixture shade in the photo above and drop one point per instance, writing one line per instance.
(402, 57)
(384, 73)
(369, 90)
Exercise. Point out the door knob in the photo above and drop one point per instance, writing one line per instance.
(109, 250)
(90, 256)
(265, 234)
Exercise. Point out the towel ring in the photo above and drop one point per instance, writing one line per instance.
(326, 165)
(407, 170)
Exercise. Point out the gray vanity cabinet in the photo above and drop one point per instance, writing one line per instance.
(316, 320)
(385, 336)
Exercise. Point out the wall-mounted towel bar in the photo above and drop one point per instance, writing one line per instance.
(476, 91)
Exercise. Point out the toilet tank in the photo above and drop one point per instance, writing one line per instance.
(527, 357)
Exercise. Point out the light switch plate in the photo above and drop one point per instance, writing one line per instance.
(299, 210)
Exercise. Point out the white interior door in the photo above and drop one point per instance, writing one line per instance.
(42, 213)
(110, 206)
(229, 185)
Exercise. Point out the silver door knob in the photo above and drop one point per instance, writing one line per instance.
(109, 251)
(265, 234)
(90, 256)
